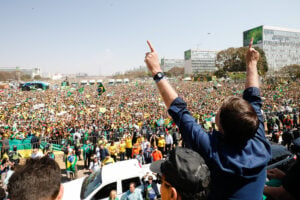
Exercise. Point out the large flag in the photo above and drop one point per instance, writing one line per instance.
(71, 162)
(101, 89)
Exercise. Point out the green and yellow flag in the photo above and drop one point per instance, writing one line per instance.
(71, 162)
(101, 89)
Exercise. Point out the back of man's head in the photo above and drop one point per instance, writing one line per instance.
(238, 120)
(38, 179)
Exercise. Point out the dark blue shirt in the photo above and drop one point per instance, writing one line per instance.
(235, 173)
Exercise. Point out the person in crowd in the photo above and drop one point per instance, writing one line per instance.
(8, 175)
(15, 156)
(289, 187)
(97, 152)
(169, 142)
(128, 142)
(184, 175)
(156, 154)
(122, 149)
(113, 195)
(71, 165)
(238, 152)
(176, 137)
(140, 158)
(95, 164)
(132, 193)
(88, 150)
(50, 152)
(5, 144)
(4, 167)
(144, 144)
(135, 150)
(77, 147)
(161, 144)
(148, 154)
(66, 149)
(150, 187)
(38, 179)
(108, 160)
(113, 150)
(103, 152)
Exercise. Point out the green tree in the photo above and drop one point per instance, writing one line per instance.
(176, 71)
(25, 77)
(233, 60)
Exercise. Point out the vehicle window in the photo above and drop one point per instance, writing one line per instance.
(90, 183)
(126, 182)
(105, 191)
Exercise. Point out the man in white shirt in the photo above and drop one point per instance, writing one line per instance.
(169, 142)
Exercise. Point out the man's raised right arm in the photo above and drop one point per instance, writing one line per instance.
(192, 133)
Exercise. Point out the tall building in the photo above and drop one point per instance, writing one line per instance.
(197, 61)
(281, 45)
(167, 64)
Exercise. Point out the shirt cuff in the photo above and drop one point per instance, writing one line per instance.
(250, 92)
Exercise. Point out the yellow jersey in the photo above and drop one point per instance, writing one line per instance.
(122, 147)
(112, 150)
(128, 143)
(161, 142)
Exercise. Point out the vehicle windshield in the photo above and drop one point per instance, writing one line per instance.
(90, 183)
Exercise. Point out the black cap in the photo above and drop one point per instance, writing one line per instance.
(184, 169)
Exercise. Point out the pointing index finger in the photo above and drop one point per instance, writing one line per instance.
(150, 46)
(251, 43)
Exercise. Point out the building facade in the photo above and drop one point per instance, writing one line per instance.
(197, 61)
(167, 64)
(32, 72)
(281, 45)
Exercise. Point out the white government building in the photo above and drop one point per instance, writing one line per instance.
(281, 45)
(197, 61)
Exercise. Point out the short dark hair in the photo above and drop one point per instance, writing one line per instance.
(39, 178)
(238, 120)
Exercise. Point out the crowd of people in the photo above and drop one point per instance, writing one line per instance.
(130, 121)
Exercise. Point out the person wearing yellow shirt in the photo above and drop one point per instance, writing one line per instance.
(140, 139)
(108, 160)
(122, 149)
(113, 150)
(128, 141)
(161, 144)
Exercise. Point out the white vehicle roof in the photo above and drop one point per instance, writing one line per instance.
(115, 171)
(92, 81)
(84, 81)
(99, 81)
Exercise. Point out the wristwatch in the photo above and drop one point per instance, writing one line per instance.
(157, 77)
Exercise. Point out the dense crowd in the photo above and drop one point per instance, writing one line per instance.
(127, 121)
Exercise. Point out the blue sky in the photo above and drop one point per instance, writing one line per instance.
(106, 36)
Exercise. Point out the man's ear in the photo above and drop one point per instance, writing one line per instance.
(174, 194)
(61, 193)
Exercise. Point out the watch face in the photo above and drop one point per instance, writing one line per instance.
(159, 75)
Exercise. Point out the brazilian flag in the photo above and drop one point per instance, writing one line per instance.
(101, 89)
(71, 162)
